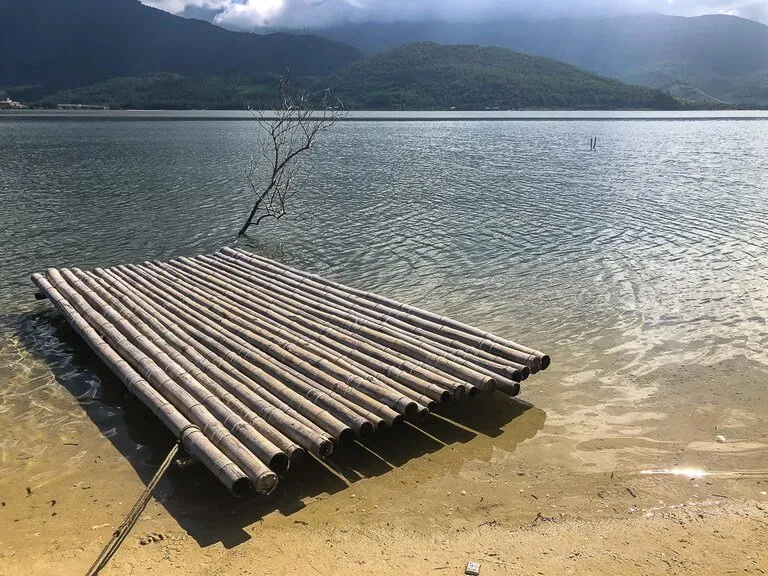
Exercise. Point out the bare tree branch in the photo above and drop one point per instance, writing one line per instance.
(286, 136)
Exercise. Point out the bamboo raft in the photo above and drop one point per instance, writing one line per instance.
(252, 364)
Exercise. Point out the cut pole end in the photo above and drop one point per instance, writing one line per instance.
(297, 455)
(266, 483)
(365, 430)
(324, 448)
(398, 420)
(241, 487)
(347, 437)
(411, 409)
(279, 462)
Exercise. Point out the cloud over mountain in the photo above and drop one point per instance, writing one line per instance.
(248, 14)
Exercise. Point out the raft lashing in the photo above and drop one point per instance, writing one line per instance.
(252, 364)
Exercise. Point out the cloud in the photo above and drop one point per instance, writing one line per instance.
(178, 6)
(249, 14)
(757, 11)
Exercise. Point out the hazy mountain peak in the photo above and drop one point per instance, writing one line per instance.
(317, 14)
(58, 44)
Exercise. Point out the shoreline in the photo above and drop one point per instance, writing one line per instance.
(400, 116)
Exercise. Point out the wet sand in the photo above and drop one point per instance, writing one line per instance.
(556, 483)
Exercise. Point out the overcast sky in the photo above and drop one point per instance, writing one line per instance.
(246, 14)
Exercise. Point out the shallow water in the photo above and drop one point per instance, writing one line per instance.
(650, 252)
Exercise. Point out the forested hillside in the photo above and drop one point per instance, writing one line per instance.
(716, 57)
(432, 76)
(49, 45)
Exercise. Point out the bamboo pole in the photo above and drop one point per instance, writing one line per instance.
(258, 445)
(191, 437)
(366, 406)
(280, 418)
(264, 480)
(506, 376)
(252, 361)
(367, 415)
(352, 323)
(228, 391)
(252, 312)
(376, 301)
(245, 317)
(454, 349)
(436, 359)
(237, 348)
(391, 321)
(337, 323)
(401, 368)
(370, 396)
(474, 356)
(273, 392)
(361, 408)
(417, 316)
(276, 304)
(336, 365)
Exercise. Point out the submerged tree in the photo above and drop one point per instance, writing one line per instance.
(286, 136)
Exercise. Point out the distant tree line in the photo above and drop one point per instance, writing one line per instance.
(421, 76)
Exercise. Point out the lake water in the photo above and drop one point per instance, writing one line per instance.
(647, 254)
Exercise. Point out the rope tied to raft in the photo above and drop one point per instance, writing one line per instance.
(121, 533)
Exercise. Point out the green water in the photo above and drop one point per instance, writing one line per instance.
(650, 251)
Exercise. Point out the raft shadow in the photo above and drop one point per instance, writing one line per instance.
(195, 498)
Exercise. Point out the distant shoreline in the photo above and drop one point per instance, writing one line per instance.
(397, 115)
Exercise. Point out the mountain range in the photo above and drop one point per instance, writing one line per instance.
(430, 76)
(128, 54)
(49, 45)
(710, 58)
(419, 76)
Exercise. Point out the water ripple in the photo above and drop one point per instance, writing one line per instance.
(651, 250)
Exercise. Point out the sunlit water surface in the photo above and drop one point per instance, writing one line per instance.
(652, 250)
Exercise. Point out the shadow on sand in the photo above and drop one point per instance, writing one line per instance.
(193, 496)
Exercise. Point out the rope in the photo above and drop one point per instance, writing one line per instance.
(133, 516)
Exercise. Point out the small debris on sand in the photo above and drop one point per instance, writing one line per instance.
(472, 569)
(151, 537)
(720, 439)
(541, 518)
